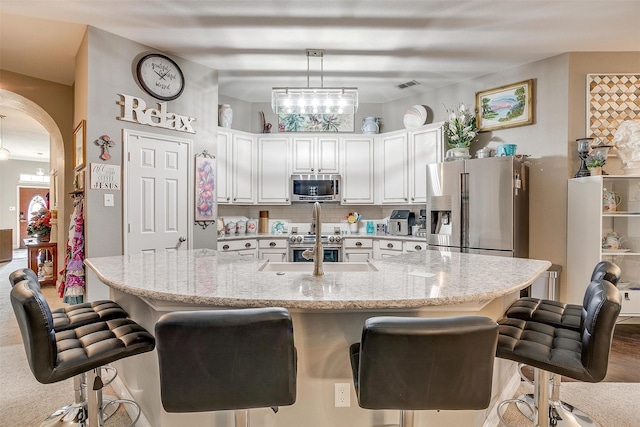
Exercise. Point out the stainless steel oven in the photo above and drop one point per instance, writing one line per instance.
(299, 243)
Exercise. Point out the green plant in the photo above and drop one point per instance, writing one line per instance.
(594, 162)
(460, 129)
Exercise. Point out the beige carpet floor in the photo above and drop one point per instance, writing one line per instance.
(26, 403)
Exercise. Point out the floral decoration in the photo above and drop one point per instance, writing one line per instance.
(353, 217)
(40, 223)
(461, 129)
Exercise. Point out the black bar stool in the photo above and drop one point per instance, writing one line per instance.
(215, 360)
(55, 356)
(560, 315)
(410, 363)
(582, 355)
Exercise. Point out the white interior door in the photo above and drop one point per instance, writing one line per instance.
(157, 199)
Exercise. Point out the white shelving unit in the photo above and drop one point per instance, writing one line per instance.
(587, 224)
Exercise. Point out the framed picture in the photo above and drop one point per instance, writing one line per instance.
(205, 186)
(611, 100)
(505, 106)
(78, 184)
(315, 123)
(79, 146)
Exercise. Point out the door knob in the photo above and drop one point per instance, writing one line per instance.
(182, 239)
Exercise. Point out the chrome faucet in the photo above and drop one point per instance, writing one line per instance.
(317, 253)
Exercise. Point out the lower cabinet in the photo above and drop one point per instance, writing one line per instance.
(630, 302)
(384, 248)
(357, 249)
(414, 246)
(244, 247)
(273, 250)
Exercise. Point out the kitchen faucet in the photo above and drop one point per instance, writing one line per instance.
(317, 253)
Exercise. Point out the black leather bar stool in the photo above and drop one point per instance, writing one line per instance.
(55, 356)
(217, 360)
(410, 363)
(567, 316)
(581, 355)
(69, 318)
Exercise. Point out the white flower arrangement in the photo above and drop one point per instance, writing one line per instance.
(461, 128)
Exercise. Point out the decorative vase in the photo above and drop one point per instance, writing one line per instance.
(225, 116)
(353, 227)
(43, 238)
(457, 153)
(595, 170)
(370, 125)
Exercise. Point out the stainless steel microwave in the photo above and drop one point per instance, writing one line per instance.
(315, 188)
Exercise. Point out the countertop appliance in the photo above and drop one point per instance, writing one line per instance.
(400, 222)
(479, 206)
(299, 243)
(315, 188)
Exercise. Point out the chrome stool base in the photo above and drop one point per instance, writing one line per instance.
(73, 414)
(561, 414)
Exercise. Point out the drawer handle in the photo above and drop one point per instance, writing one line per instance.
(358, 244)
(390, 245)
(272, 244)
(626, 296)
(225, 247)
(418, 248)
(247, 245)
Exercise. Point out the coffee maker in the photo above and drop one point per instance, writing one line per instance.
(400, 222)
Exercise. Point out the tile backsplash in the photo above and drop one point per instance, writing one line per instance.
(301, 212)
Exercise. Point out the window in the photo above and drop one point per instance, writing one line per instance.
(36, 203)
(26, 178)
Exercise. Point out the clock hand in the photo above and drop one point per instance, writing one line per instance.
(156, 71)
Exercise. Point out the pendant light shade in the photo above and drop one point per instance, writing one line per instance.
(314, 100)
(4, 153)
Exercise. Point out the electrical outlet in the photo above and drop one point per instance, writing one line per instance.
(342, 395)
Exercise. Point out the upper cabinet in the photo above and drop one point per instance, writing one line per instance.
(274, 175)
(236, 163)
(357, 170)
(316, 154)
(402, 163)
(223, 166)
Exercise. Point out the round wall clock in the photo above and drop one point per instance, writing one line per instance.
(160, 76)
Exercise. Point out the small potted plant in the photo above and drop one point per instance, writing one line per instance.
(594, 164)
(40, 225)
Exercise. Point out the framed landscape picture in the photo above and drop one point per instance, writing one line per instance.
(505, 106)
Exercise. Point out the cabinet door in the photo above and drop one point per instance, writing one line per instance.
(357, 256)
(327, 155)
(394, 171)
(303, 155)
(425, 147)
(273, 170)
(244, 169)
(357, 170)
(274, 255)
(223, 165)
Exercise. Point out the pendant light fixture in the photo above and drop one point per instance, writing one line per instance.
(4, 153)
(314, 100)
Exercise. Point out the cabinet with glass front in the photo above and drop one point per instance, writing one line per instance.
(603, 223)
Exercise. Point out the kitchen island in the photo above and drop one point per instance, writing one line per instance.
(328, 313)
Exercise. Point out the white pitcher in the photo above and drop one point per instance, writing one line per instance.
(370, 125)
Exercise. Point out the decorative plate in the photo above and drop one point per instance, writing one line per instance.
(415, 117)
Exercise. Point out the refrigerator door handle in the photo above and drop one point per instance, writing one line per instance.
(464, 211)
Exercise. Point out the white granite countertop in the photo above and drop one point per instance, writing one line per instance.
(266, 236)
(413, 280)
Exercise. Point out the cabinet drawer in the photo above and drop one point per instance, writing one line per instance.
(272, 243)
(358, 243)
(630, 302)
(390, 245)
(413, 246)
(237, 245)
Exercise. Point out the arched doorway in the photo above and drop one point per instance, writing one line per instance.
(57, 156)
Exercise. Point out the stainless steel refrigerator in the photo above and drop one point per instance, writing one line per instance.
(479, 206)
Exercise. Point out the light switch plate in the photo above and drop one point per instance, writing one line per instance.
(108, 199)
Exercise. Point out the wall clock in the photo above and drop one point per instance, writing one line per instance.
(160, 76)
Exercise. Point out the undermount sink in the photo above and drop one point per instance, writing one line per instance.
(307, 267)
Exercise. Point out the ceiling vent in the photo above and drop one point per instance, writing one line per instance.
(408, 84)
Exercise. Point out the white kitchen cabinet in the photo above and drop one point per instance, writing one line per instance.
(236, 162)
(223, 166)
(243, 247)
(414, 246)
(357, 170)
(402, 163)
(385, 248)
(274, 175)
(394, 168)
(316, 155)
(587, 223)
(357, 249)
(274, 250)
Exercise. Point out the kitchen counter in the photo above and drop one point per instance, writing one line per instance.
(344, 236)
(328, 313)
(420, 279)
